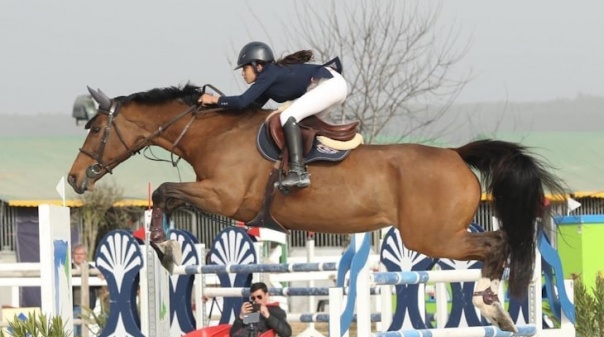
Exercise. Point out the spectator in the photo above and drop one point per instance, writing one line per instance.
(78, 259)
(258, 315)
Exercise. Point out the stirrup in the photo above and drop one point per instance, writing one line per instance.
(296, 179)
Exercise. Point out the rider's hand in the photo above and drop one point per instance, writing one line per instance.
(208, 99)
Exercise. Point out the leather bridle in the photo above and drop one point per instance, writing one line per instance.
(96, 169)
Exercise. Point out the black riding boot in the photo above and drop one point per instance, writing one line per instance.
(297, 175)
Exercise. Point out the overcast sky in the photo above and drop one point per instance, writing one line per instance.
(50, 51)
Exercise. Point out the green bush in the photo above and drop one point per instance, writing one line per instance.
(95, 323)
(37, 326)
(547, 311)
(589, 308)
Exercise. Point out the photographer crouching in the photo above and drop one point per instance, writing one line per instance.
(258, 316)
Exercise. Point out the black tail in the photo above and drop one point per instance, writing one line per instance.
(516, 181)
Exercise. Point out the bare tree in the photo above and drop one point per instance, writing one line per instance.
(100, 212)
(395, 61)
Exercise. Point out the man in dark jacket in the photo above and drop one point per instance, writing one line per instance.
(258, 316)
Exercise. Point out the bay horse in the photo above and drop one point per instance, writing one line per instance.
(430, 194)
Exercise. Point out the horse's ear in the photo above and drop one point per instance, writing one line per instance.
(100, 97)
(101, 92)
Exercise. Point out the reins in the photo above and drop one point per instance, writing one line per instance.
(193, 110)
(186, 128)
(173, 161)
(96, 169)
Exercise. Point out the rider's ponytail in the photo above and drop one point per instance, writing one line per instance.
(301, 56)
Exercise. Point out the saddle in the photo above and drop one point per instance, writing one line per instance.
(311, 128)
(315, 133)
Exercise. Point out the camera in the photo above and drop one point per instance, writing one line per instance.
(254, 316)
(251, 318)
(255, 306)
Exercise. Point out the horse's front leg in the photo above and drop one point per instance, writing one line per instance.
(203, 195)
(168, 197)
(163, 206)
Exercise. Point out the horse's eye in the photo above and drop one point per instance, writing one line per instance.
(95, 129)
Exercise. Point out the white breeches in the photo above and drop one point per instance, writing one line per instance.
(328, 93)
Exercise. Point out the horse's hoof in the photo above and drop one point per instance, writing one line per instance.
(169, 254)
(172, 254)
(508, 325)
(501, 318)
(495, 314)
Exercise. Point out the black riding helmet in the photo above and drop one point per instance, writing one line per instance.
(253, 52)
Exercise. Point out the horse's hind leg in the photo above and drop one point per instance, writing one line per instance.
(488, 247)
(486, 290)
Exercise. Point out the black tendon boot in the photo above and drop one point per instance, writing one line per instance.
(297, 175)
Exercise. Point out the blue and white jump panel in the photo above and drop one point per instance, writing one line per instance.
(482, 331)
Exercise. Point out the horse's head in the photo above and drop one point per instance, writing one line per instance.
(111, 139)
(165, 117)
(125, 125)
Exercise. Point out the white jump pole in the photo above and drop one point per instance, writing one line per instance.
(335, 310)
(201, 313)
(55, 262)
(363, 298)
(311, 330)
(154, 290)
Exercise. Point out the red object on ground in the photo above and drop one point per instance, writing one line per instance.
(139, 233)
(254, 231)
(221, 331)
(211, 331)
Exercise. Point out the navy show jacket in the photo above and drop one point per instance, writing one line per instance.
(277, 82)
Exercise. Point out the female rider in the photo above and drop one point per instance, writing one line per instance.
(315, 88)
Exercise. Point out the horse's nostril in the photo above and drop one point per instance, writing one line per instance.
(71, 179)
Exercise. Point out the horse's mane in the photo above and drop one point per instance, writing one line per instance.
(188, 93)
